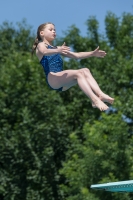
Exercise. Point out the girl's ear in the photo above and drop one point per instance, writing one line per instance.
(41, 32)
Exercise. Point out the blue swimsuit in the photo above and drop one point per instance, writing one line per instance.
(52, 63)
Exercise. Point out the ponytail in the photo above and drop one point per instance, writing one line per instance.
(34, 45)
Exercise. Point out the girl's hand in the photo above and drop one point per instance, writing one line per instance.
(99, 53)
(63, 49)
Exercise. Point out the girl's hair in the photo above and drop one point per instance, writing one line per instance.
(38, 38)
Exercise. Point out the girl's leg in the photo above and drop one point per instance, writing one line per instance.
(70, 77)
(95, 87)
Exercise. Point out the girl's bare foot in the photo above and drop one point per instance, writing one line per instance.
(93, 105)
(105, 98)
(99, 104)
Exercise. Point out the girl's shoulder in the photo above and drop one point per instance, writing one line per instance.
(42, 44)
(41, 47)
(40, 50)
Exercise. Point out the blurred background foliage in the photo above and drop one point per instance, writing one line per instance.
(53, 145)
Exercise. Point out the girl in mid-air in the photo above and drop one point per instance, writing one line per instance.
(58, 79)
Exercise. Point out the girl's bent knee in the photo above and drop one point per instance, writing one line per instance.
(86, 70)
(80, 73)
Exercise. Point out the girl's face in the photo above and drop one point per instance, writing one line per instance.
(49, 33)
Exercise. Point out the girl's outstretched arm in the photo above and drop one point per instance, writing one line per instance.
(41, 50)
(82, 55)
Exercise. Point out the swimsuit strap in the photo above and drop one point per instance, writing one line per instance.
(55, 47)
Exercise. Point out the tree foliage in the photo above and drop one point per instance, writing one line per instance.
(55, 145)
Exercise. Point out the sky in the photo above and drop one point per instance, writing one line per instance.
(63, 13)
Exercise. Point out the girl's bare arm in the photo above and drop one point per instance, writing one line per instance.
(42, 50)
(82, 55)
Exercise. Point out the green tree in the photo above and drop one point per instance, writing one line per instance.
(86, 163)
(33, 126)
(104, 156)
